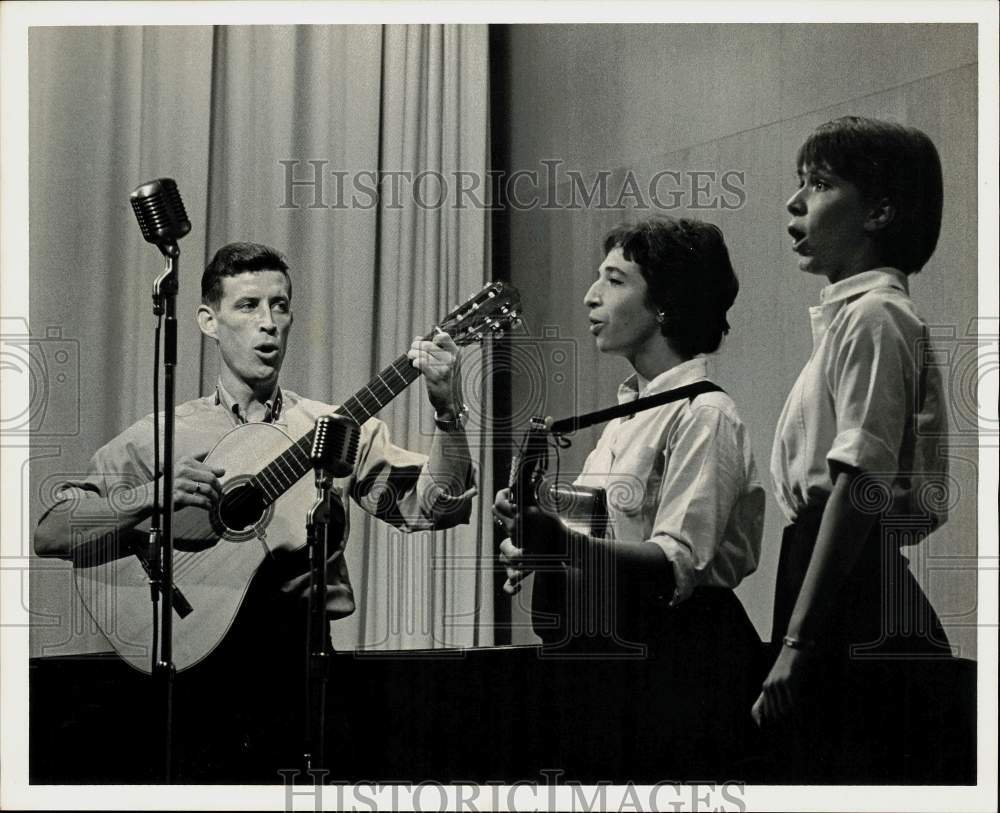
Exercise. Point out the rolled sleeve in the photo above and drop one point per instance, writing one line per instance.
(397, 486)
(446, 501)
(122, 463)
(700, 486)
(870, 378)
(862, 450)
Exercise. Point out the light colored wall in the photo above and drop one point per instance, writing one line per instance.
(740, 97)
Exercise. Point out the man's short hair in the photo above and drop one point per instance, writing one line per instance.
(689, 277)
(239, 258)
(886, 160)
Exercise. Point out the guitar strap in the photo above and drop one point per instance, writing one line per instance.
(690, 391)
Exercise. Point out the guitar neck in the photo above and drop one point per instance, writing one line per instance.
(487, 313)
(291, 465)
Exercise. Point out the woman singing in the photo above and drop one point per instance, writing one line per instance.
(685, 506)
(858, 454)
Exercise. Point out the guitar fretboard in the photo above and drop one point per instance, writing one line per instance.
(291, 465)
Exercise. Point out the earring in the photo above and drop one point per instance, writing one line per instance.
(661, 317)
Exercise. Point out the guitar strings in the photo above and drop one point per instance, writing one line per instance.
(272, 478)
(289, 467)
(189, 561)
(272, 481)
(297, 457)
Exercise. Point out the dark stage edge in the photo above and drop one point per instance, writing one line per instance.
(476, 716)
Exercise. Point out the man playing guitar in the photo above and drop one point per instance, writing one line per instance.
(246, 310)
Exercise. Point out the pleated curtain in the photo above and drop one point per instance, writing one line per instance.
(279, 135)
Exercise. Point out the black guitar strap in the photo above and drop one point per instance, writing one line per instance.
(690, 391)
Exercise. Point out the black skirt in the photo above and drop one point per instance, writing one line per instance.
(678, 680)
(881, 611)
(864, 711)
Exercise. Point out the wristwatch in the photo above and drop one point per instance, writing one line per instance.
(457, 422)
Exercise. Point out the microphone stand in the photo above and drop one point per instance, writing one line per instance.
(162, 542)
(321, 531)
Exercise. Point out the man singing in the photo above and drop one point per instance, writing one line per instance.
(256, 675)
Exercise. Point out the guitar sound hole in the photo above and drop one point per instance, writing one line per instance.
(241, 508)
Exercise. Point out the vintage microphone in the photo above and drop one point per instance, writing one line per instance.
(334, 447)
(160, 212)
(163, 221)
(333, 454)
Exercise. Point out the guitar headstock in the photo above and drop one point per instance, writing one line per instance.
(489, 313)
(529, 463)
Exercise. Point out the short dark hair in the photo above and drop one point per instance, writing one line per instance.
(886, 160)
(239, 258)
(689, 276)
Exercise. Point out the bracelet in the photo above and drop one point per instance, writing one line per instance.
(457, 422)
(796, 643)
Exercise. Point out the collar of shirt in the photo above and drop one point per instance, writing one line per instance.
(687, 372)
(272, 406)
(833, 297)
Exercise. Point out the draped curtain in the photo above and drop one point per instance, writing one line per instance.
(275, 135)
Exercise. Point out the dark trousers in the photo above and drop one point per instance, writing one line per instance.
(241, 713)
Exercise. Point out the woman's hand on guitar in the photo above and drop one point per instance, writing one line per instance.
(545, 534)
(511, 557)
(438, 361)
(503, 510)
(196, 482)
(545, 537)
(510, 554)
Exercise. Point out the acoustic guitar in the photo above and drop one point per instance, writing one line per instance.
(564, 599)
(264, 493)
(586, 597)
